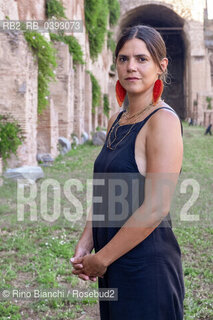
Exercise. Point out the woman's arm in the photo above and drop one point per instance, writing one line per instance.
(86, 239)
(164, 151)
(85, 244)
(84, 247)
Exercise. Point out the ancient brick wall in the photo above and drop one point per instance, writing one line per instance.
(71, 96)
(70, 101)
(18, 92)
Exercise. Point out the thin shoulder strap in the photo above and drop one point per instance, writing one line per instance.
(147, 118)
(119, 115)
(116, 120)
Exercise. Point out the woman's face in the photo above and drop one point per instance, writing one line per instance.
(137, 71)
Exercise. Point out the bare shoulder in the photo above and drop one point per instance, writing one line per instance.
(164, 119)
(111, 120)
(164, 144)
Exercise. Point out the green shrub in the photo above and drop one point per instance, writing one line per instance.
(114, 11)
(112, 67)
(96, 18)
(106, 105)
(97, 14)
(96, 92)
(46, 57)
(74, 46)
(110, 42)
(98, 128)
(55, 8)
(11, 136)
(209, 101)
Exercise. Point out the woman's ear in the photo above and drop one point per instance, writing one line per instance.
(164, 64)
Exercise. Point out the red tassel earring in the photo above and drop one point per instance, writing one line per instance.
(157, 91)
(120, 93)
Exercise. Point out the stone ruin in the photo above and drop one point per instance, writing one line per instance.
(189, 38)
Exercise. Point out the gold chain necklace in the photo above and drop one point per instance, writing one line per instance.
(137, 114)
(109, 143)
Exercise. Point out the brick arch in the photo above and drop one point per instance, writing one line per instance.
(152, 13)
(171, 26)
(181, 9)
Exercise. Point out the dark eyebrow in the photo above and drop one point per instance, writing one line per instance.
(137, 55)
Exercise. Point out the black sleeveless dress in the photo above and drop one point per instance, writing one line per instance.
(149, 278)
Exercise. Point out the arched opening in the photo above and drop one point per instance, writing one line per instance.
(170, 26)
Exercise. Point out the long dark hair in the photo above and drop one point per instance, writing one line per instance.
(154, 42)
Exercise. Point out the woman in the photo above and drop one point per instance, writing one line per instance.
(141, 256)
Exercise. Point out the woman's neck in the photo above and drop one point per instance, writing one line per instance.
(139, 102)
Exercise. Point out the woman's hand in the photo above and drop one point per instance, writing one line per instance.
(92, 266)
(79, 253)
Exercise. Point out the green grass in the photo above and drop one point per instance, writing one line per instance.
(35, 254)
(195, 237)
